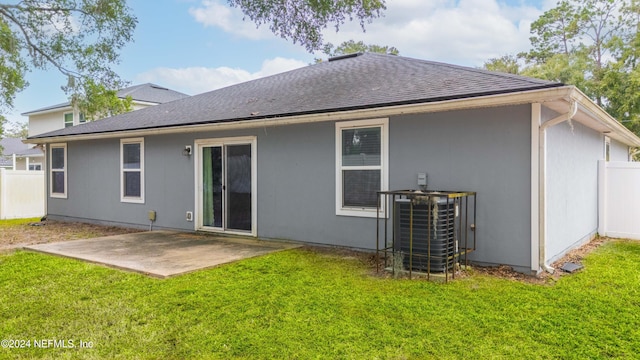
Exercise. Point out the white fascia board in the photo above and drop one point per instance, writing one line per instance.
(617, 130)
(63, 107)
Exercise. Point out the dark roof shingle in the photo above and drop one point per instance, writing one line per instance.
(148, 92)
(10, 146)
(357, 82)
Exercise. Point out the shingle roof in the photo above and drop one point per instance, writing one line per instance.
(148, 92)
(12, 146)
(151, 93)
(353, 82)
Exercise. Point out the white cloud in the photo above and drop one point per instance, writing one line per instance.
(465, 32)
(196, 80)
(211, 13)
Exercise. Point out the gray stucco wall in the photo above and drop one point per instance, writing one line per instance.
(572, 186)
(94, 184)
(296, 188)
(296, 185)
(485, 150)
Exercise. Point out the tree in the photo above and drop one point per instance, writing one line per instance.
(507, 64)
(17, 130)
(101, 102)
(302, 21)
(79, 38)
(594, 45)
(554, 32)
(581, 34)
(2, 122)
(351, 46)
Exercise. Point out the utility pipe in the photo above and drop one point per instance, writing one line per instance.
(542, 182)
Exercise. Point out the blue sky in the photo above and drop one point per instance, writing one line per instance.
(195, 46)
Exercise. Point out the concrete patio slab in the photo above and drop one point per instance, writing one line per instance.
(162, 253)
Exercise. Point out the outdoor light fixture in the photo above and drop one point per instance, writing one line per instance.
(187, 150)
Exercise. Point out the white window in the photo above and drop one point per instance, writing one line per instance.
(132, 170)
(58, 170)
(361, 166)
(68, 120)
(35, 166)
(81, 118)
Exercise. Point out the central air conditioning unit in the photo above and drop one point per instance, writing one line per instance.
(426, 232)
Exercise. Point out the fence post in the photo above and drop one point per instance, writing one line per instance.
(3, 196)
(602, 197)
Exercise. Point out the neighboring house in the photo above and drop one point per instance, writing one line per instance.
(273, 157)
(64, 115)
(16, 155)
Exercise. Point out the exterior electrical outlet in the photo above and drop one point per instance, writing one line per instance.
(152, 215)
(422, 179)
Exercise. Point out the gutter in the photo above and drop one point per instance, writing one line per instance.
(616, 129)
(542, 181)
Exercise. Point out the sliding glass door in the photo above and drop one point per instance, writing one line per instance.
(227, 183)
(212, 186)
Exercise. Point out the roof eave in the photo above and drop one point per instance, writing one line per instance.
(47, 111)
(607, 124)
(592, 115)
(513, 98)
(69, 107)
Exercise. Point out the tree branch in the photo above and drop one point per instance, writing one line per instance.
(33, 48)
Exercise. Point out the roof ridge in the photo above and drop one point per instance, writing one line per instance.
(468, 68)
(129, 89)
(486, 72)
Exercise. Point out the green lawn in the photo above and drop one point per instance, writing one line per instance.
(303, 304)
(17, 222)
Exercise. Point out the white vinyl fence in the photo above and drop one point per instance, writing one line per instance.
(619, 199)
(21, 194)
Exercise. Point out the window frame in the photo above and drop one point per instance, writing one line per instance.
(34, 165)
(64, 171)
(132, 199)
(64, 119)
(383, 124)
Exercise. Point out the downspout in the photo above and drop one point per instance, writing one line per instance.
(542, 181)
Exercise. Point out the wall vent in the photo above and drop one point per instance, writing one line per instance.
(348, 56)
